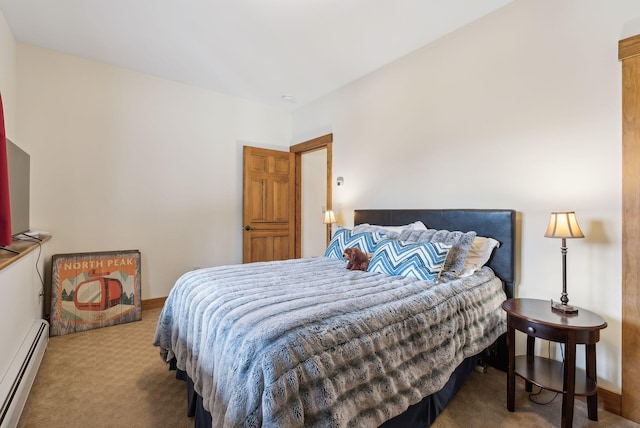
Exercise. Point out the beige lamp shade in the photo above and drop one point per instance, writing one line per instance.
(563, 225)
(329, 217)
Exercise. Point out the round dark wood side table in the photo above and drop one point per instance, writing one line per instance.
(536, 319)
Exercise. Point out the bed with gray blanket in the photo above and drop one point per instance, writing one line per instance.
(306, 342)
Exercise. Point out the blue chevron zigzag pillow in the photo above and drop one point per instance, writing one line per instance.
(423, 260)
(344, 238)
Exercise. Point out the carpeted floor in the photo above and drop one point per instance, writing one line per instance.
(108, 377)
(113, 377)
(482, 402)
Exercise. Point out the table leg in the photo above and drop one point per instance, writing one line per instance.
(511, 380)
(592, 400)
(531, 342)
(569, 385)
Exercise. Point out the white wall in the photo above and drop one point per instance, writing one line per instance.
(8, 76)
(11, 340)
(20, 306)
(122, 160)
(521, 110)
(20, 284)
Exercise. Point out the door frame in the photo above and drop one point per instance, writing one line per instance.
(318, 143)
(628, 54)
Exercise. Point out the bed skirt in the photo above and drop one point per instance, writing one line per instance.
(419, 415)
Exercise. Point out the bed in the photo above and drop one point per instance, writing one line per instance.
(306, 342)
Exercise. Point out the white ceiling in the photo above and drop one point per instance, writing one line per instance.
(254, 49)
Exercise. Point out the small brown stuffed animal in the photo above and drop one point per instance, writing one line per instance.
(356, 259)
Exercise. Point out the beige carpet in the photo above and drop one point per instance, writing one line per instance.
(108, 377)
(113, 377)
(482, 402)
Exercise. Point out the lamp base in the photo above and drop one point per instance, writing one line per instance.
(562, 308)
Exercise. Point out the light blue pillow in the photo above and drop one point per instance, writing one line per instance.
(421, 260)
(344, 238)
(461, 242)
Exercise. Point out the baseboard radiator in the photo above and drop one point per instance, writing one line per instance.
(16, 384)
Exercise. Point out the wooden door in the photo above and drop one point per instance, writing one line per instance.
(268, 210)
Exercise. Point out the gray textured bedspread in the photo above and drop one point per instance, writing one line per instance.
(306, 342)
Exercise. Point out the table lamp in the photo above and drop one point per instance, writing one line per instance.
(329, 219)
(564, 225)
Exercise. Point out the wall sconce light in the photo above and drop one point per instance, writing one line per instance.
(564, 225)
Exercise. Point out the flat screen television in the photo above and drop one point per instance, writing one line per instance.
(18, 163)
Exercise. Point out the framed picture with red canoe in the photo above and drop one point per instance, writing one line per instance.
(93, 290)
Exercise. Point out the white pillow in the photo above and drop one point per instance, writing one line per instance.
(366, 227)
(479, 254)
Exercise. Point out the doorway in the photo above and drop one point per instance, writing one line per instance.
(313, 203)
(311, 152)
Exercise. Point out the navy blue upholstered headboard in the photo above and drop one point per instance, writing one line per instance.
(497, 224)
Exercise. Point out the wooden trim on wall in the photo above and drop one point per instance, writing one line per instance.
(156, 303)
(329, 147)
(318, 143)
(610, 401)
(629, 47)
(607, 400)
(297, 234)
(629, 53)
(312, 145)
